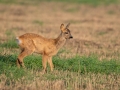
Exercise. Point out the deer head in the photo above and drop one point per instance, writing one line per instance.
(65, 31)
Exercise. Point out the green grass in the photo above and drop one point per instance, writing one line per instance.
(111, 12)
(77, 64)
(11, 43)
(11, 40)
(92, 2)
(38, 22)
(7, 1)
(88, 64)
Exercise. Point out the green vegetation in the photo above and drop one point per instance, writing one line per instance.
(38, 22)
(7, 1)
(77, 64)
(92, 2)
(10, 42)
(88, 64)
(111, 12)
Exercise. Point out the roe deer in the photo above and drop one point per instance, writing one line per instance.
(30, 43)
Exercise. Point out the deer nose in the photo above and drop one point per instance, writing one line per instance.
(71, 36)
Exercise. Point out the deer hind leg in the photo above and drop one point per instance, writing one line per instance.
(18, 60)
(21, 56)
(50, 63)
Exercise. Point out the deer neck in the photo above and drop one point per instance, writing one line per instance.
(60, 41)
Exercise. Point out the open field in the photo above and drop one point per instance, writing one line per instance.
(90, 61)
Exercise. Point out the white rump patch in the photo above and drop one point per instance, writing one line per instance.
(18, 40)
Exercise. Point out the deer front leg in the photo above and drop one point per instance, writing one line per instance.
(50, 63)
(44, 62)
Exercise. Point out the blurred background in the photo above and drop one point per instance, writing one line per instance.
(95, 24)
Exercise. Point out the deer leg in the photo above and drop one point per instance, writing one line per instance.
(21, 56)
(50, 63)
(44, 62)
(18, 62)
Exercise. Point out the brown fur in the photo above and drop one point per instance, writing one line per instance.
(30, 43)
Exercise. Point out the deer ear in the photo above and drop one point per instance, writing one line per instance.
(62, 27)
(68, 25)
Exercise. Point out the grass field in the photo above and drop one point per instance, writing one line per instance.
(90, 61)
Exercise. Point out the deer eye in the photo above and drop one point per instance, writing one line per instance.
(66, 32)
